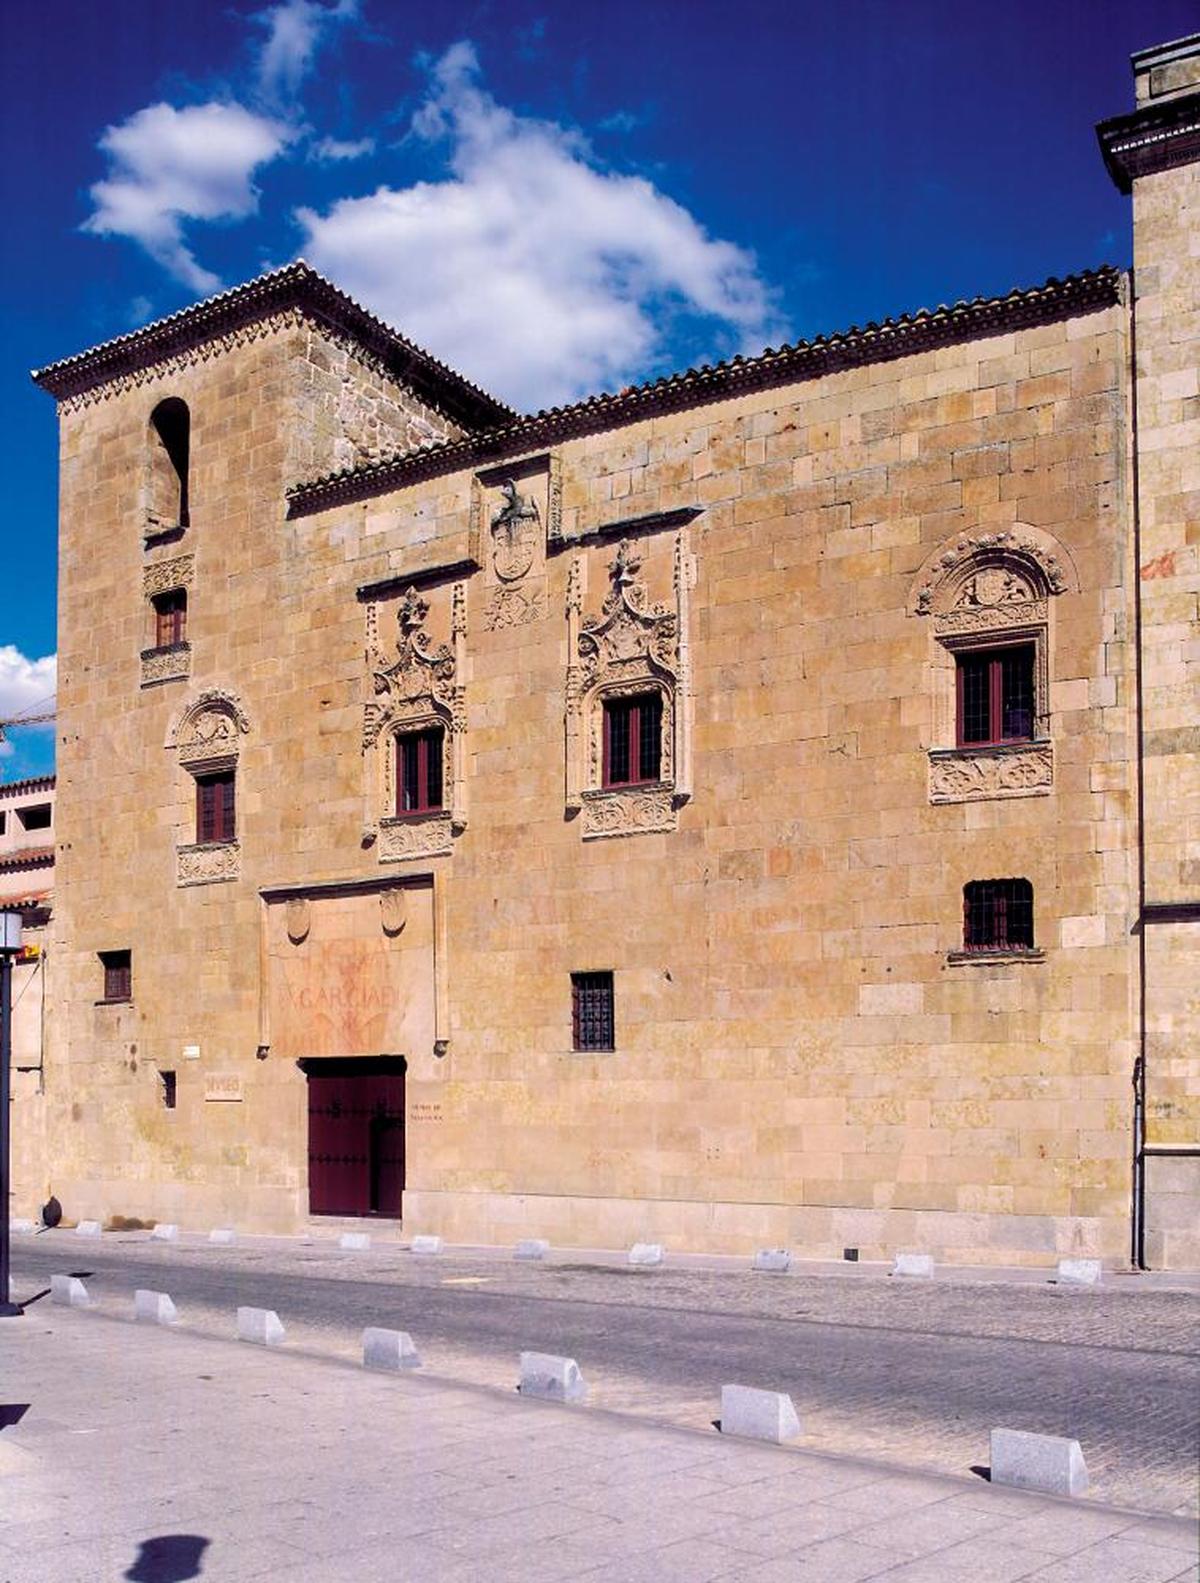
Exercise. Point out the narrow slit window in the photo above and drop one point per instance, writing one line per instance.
(170, 618)
(216, 807)
(633, 740)
(170, 447)
(996, 696)
(592, 1011)
(167, 1089)
(419, 771)
(998, 915)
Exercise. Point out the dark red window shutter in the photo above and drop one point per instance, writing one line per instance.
(419, 778)
(995, 695)
(216, 806)
(632, 740)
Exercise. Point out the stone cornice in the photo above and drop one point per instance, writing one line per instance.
(1157, 137)
(1088, 292)
(296, 287)
(35, 783)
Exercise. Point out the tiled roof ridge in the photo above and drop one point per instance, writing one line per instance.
(27, 857)
(34, 783)
(295, 283)
(1085, 291)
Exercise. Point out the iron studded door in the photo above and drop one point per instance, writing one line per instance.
(355, 1140)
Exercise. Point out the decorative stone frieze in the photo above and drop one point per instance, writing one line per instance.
(161, 577)
(1024, 769)
(167, 664)
(208, 863)
(515, 607)
(628, 812)
(405, 836)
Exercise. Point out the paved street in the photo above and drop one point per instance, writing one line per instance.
(133, 1453)
(911, 1373)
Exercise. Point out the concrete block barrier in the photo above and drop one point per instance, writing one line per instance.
(165, 1233)
(917, 1265)
(389, 1349)
(154, 1308)
(222, 1234)
(354, 1241)
(775, 1260)
(427, 1247)
(88, 1228)
(70, 1291)
(758, 1415)
(531, 1248)
(646, 1253)
(260, 1325)
(1038, 1462)
(551, 1378)
(1080, 1272)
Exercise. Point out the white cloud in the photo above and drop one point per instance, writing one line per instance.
(532, 269)
(169, 166)
(333, 150)
(295, 31)
(26, 687)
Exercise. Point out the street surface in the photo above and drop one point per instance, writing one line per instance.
(913, 1373)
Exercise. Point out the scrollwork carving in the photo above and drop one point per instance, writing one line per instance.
(161, 577)
(970, 774)
(514, 607)
(166, 664)
(989, 570)
(208, 863)
(415, 835)
(633, 812)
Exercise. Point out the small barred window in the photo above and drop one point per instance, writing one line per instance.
(998, 915)
(592, 1019)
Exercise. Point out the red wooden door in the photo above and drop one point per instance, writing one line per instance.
(355, 1138)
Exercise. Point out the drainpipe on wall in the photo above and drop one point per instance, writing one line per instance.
(1137, 1207)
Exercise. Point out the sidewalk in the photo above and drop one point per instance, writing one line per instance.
(136, 1453)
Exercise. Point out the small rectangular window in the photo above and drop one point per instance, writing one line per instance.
(167, 1080)
(419, 771)
(998, 915)
(633, 740)
(36, 817)
(215, 807)
(118, 975)
(996, 696)
(592, 1011)
(170, 618)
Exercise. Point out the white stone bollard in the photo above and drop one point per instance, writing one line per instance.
(427, 1246)
(918, 1265)
(354, 1241)
(1080, 1272)
(21, 1226)
(153, 1308)
(389, 1349)
(758, 1415)
(553, 1379)
(773, 1259)
(70, 1291)
(1048, 1463)
(531, 1248)
(260, 1325)
(88, 1228)
(165, 1233)
(222, 1234)
(646, 1253)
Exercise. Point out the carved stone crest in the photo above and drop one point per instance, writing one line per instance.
(420, 673)
(515, 529)
(298, 918)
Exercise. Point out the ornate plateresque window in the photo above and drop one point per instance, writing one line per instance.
(418, 708)
(207, 741)
(629, 670)
(988, 598)
(167, 656)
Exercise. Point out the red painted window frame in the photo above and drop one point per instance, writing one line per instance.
(426, 743)
(995, 661)
(636, 706)
(170, 618)
(216, 807)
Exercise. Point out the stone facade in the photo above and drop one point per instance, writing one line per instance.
(786, 561)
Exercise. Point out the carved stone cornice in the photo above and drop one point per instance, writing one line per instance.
(1159, 136)
(208, 863)
(1022, 769)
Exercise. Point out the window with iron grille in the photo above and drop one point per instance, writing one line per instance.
(170, 618)
(996, 696)
(419, 757)
(998, 915)
(633, 740)
(592, 1020)
(216, 806)
(118, 975)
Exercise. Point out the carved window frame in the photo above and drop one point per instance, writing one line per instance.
(630, 648)
(173, 663)
(991, 590)
(206, 740)
(420, 690)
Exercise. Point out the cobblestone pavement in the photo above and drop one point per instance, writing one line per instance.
(914, 1373)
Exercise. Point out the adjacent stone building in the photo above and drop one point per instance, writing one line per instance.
(758, 808)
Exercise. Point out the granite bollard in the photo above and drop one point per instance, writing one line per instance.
(88, 1228)
(776, 1260)
(260, 1325)
(1027, 1461)
(758, 1415)
(917, 1265)
(1080, 1272)
(70, 1291)
(646, 1253)
(153, 1308)
(531, 1248)
(552, 1378)
(222, 1234)
(389, 1349)
(165, 1233)
(354, 1241)
(426, 1247)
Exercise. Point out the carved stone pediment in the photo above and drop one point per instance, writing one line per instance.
(210, 728)
(990, 570)
(1025, 769)
(629, 630)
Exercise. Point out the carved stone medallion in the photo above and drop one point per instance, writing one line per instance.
(515, 530)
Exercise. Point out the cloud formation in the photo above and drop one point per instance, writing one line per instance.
(26, 687)
(532, 268)
(335, 150)
(295, 31)
(169, 165)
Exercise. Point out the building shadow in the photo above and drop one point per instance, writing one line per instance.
(169, 1558)
(12, 1413)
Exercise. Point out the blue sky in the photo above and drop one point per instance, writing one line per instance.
(554, 198)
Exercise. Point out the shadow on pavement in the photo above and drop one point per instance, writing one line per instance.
(170, 1558)
(12, 1413)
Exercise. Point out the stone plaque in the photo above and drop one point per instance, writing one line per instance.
(224, 1086)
